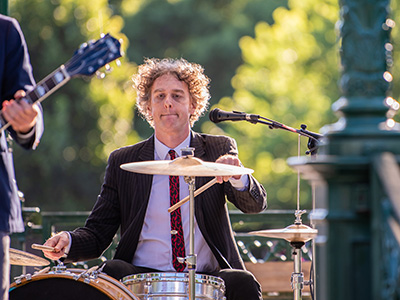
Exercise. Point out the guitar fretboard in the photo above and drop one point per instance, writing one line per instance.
(48, 85)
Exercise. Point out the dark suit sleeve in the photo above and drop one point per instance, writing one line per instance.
(95, 237)
(16, 73)
(251, 200)
(16, 63)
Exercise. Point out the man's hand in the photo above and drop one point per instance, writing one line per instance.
(20, 114)
(229, 160)
(60, 241)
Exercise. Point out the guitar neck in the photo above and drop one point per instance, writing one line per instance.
(48, 85)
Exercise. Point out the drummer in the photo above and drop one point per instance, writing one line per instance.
(171, 95)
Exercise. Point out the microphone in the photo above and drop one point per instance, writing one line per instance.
(216, 115)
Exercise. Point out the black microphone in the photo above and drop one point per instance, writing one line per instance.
(216, 115)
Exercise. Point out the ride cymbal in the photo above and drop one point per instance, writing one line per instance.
(185, 166)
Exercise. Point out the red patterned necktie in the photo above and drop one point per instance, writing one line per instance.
(177, 240)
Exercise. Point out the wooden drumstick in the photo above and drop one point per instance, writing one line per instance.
(196, 192)
(42, 247)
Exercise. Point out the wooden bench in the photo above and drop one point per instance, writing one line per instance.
(274, 277)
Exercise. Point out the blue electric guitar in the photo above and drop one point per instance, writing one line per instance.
(90, 57)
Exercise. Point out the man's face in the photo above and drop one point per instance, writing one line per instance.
(170, 104)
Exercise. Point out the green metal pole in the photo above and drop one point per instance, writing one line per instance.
(4, 7)
(343, 166)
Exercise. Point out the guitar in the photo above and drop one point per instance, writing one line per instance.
(86, 60)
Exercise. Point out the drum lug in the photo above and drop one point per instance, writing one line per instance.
(60, 268)
(147, 288)
(18, 279)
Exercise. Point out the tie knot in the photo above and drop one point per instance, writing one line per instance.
(172, 154)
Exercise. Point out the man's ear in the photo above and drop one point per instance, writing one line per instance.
(192, 107)
(148, 109)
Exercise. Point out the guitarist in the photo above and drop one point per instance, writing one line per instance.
(26, 129)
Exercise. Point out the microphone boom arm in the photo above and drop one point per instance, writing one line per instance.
(313, 138)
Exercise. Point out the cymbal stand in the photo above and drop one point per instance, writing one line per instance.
(297, 279)
(191, 258)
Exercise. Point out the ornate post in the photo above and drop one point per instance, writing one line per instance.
(350, 255)
(4, 7)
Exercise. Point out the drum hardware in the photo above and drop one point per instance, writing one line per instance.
(60, 267)
(297, 235)
(18, 279)
(174, 286)
(88, 274)
(189, 167)
(69, 284)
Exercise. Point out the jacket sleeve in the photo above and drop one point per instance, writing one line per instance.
(17, 75)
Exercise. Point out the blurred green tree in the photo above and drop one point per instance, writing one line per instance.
(290, 74)
(85, 120)
(203, 31)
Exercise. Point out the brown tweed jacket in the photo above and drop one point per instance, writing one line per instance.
(124, 198)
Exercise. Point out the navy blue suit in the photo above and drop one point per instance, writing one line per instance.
(15, 74)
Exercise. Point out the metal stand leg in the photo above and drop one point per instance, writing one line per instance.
(297, 279)
(191, 258)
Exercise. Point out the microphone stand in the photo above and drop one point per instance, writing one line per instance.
(313, 138)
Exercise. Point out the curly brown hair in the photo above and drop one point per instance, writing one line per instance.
(190, 73)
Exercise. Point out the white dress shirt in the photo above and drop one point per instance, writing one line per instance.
(154, 248)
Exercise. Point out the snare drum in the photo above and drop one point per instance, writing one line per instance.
(174, 286)
(69, 284)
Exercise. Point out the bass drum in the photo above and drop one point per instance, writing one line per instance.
(70, 284)
(174, 286)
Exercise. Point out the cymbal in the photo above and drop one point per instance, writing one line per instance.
(292, 233)
(21, 258)
(185, 166)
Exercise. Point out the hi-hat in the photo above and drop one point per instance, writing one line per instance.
(292, 233)
(21, 258)
(185, 166)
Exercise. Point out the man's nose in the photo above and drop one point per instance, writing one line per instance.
(168, 101)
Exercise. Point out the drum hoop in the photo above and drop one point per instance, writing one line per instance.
(70, 273)
(171, 276)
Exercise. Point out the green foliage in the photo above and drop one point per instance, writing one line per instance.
(84, 120)
(289, 75)
(204, 31)
(276, 59)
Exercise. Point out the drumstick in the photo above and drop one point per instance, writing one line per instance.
(196, 192)
(42, 247)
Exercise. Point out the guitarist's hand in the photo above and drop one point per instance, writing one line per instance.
(20, 114)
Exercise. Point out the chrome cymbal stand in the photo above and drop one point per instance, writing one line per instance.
(191, 259)
(297, 279)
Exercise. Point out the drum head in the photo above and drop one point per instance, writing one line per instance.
(56, 288)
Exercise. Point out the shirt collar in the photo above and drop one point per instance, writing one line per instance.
(161, 151)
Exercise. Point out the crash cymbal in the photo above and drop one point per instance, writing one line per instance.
(292, 233)
(185, 166)
(21, 258)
